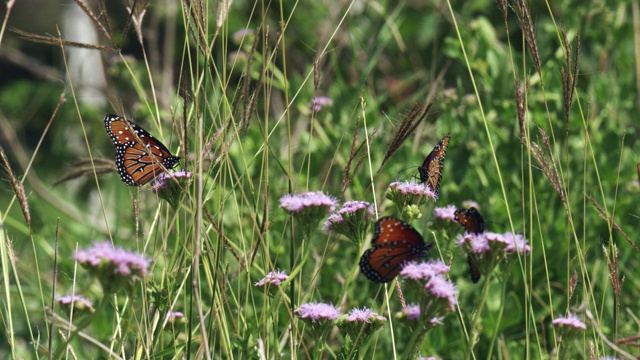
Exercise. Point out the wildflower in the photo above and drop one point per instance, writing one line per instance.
(439, 287)
(245, 36)
(274, 278)
(114, 267)
(445, 213)
(317, 312)
(405, 194)
(469, 204)
(411, 312)
(489, 249)
(308, 208)
(317, 103)
(516, 243)
(363, 315)
(361, 323)
(176, 318)
(437, 321)
(170, 186)
(474, 243)
(571, 321)
(80, 304)
(424, 270)
(568, 328)
(352, 221)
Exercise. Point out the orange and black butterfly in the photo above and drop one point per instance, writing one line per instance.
(139, 156)
(394, 244)
(431, 169)
(474, 224)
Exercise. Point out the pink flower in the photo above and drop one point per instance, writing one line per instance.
(274, 277)
(516, 243)
(317, 103)
(475, 243)
(445, 213)
(363, 315)
(80, 304)
(470, 203)
(115, 268)
(117, 260)
(423, 270)
(412, 312)
(440, 287)
(299, 202)
(413, 188)
(317, 311)
(571, 321)
(174, 316)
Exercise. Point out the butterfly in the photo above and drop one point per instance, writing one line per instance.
(471, 220)
(431, 169)
(139, 156)
(394, 243)
(474, 224)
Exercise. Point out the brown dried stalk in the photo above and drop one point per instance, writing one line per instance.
(524, 18)
(611, 222)
(18, 187)
(570, 75)
(406, 129)
(223, 237)
(520, 109)
(85, 168)
(349, 174)
(552, 174)
(51, 40)
(572, 283)
(94, 19)
(616, 282)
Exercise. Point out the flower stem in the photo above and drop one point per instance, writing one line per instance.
(476, 317)
(499, 319)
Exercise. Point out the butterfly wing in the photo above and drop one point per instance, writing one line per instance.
(474, 224)
(471, 220)
(140, 157)
(394, 243)
(474, 270)
(432, 167)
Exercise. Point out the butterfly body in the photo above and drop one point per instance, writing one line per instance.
(474, 224)
(394, 243)
(140, 157)
(433, 165)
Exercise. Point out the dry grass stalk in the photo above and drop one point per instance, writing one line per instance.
(570, 75)
(18, 187)
(348, 173)
(614, 275)
(503, 8)
(520, 109)
(194, 10)
(407, 128)
(86, 168)
(47, 39)
(572, 283)
(94, 18)
(223, 237)
(524, 18)
(538, 155)
(612, 222)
